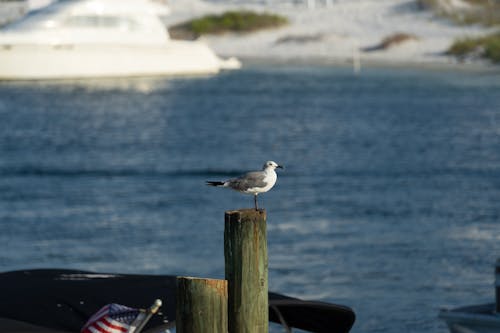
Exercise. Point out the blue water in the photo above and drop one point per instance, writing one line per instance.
(389, 203)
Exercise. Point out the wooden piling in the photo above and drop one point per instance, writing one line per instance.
(201, 305)
(245, 252)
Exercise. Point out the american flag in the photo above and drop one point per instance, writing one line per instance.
(113, 318)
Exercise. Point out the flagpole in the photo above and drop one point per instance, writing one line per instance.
(149, 313)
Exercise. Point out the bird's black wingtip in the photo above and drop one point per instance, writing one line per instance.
(214, 183)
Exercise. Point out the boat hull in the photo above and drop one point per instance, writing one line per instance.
(472, 319)
(28, 62)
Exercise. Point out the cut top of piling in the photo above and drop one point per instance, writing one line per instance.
(219, 286)
(249, 213)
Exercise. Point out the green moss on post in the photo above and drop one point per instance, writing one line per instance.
(201, 305)
(245, 252)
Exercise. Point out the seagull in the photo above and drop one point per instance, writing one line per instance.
(254, 182)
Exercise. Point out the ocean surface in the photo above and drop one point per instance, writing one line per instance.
(389, 202)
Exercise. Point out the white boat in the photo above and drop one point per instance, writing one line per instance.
(484, 318)
(100, 38)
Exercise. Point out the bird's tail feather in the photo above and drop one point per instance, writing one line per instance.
(211, 183)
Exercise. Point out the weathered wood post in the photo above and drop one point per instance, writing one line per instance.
(201, 305)
(245, 253)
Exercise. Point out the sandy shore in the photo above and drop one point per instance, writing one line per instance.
(338, 32)
(445, 66)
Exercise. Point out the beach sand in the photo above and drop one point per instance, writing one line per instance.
(337, 31)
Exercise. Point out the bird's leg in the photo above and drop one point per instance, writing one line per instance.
(255, 201)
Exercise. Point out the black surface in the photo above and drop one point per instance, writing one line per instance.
(65, 299)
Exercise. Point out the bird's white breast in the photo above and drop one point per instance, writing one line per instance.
(269, 179)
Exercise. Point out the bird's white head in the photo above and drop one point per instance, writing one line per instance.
(272, 165)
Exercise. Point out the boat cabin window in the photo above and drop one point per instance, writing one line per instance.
(101, 21)
(33, 20)
(76, 21)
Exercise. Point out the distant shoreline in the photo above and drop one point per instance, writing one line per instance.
(330, 35)
(369, 63)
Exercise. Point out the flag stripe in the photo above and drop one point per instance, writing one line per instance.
(97, 315)
(112, 318)
(115, 324)
(98, 326)
(93, 329)
(104, 328)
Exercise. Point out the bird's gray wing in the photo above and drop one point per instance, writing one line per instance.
(249, 180)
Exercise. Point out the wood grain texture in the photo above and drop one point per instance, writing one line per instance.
(245, 252)
(201, 305)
